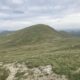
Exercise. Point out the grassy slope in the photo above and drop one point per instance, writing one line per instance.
(36, 33)
(62, 53)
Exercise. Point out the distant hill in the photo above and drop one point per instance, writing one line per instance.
(33, 34)
(75, 32)
(4, 33)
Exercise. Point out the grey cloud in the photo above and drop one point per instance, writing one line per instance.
(31, 9)
(40, 7)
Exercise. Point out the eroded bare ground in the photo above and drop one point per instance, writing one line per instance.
(17, 71)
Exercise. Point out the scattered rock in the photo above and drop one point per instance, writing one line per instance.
(1, 63)
(77, 71)
(46, 69)
(18, 71)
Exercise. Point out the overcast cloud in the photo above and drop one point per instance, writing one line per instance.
(60, 14)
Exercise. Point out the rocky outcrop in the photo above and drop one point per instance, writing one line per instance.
(19, 71)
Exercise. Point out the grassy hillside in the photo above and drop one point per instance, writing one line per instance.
(42, 45)
(33, 34)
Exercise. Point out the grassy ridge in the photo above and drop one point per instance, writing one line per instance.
(33, 34)
(48, 48)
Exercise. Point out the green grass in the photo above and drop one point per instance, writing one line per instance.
(62, 53)
(34, 34)
(3, 73)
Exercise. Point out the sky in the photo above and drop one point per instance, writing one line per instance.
(60, 14)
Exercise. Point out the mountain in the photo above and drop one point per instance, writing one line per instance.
(33, 34)
(75, 33)
(39, 52)
(4, 33)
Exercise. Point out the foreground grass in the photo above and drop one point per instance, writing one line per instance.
(63, 55)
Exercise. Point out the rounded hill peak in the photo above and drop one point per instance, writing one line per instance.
(34, 34)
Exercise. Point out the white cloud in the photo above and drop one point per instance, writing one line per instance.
(18, 2)
(2, 15)
(4, 7)
(58, 7)
(13, 25)
(69, 21)
(15, 14)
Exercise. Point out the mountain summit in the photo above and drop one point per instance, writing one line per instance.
(33, 34)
